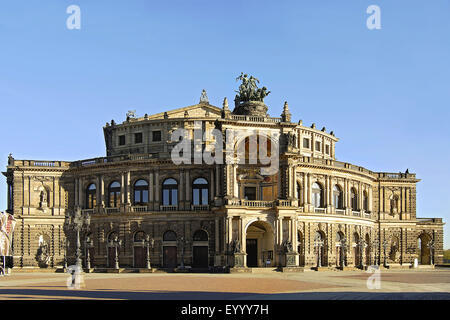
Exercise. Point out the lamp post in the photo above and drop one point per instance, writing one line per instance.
(116, 243)
(431, 247)
(385, 245)
(318, 243)
(375, 245)
(149, 242)
(89, 243)
(77, 222)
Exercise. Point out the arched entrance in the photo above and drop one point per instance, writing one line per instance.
(320, 248)
(200, 249)
(340, 249)
(139, 253)
(169, 249)
(424, 250)
(111, 250)
(259, 244)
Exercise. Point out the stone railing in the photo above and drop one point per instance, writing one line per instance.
(255, 118)
(199, 207)
(139, 209)
(168, 208)
(112, 210)
(320, 210)
(340, 211)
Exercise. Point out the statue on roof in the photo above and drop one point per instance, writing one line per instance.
(249, 91)
(204, 97)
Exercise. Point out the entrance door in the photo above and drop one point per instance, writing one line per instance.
(252, 253)
(200, 257)
(170, 257)
(139, 257)
(111, 257)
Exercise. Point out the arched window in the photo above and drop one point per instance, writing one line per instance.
(170, 192)
(200, 235)
(365, 201)
(140, 192)
(114, 194)
(200, 191)
(170, 236)
(354, 199)
(91, 196)
(112, 236)
(317, 195)
(139, 236)
(337, 197)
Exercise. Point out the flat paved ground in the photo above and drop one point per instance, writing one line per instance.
(401, 284)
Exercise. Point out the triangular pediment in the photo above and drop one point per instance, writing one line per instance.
(201, 110)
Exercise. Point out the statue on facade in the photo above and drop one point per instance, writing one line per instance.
(288, 248)
(236, 246)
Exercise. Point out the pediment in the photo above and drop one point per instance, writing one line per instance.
(201, 110)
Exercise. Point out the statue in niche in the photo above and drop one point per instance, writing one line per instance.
(43, 199)
(42, 255)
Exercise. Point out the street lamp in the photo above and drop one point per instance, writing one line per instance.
(148, 242)
(89, 243)
(76, 223)
(116, 243)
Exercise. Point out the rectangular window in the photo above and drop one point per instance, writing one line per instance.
(156, 136)
(250, 193)
(305, 143)
(317, 146)
(327, 149)
(122, 140)
(138, 137)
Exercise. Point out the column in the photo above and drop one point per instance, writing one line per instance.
(157, 191)
(122, 189)
(77, 198)
(235, 184)
(102, 191)
(370, 200)
(128, 194)
(305, 191)
(181, 191)
(217, 179)
(217, 261)
(309, 190)
(188, 189)
(80, 192)
(150, 190)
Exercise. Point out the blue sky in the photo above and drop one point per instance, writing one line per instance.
(384, 93)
